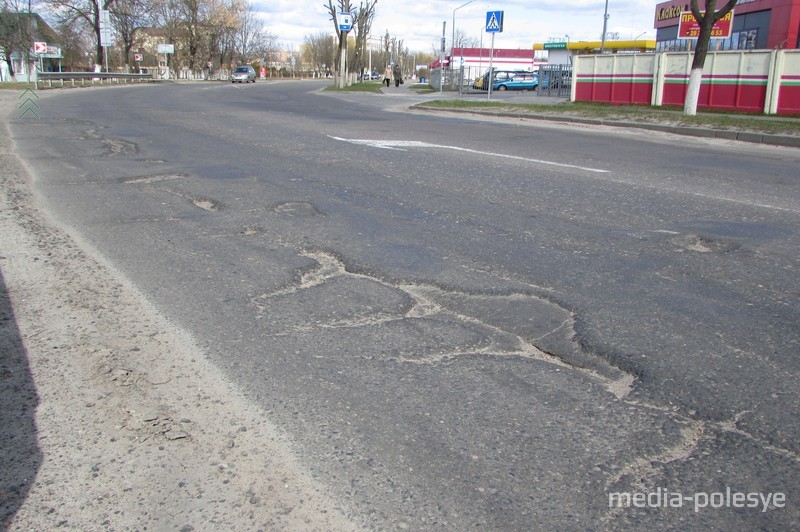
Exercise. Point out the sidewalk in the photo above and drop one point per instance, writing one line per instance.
(659, 120)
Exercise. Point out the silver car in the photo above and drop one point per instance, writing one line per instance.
(243, 74)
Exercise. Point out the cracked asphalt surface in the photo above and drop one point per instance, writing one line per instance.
(451, 339)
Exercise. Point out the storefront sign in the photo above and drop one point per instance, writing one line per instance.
(689, 28)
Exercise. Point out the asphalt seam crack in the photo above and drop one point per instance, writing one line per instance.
(424, 306)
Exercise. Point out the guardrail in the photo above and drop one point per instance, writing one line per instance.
(92, 77)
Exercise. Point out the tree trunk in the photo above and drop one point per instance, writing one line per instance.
(699, 59)
(342, 60)
(706, 22)
(693, 92)
(10, 64)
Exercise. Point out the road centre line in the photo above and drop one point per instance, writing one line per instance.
(401, 145)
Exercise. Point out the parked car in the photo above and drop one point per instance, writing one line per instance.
(243, 74)
(525, 81)
(499, 76)
(370, 75)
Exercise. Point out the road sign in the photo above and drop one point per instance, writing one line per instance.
(138, 57)
(166, 48)
(345, 21)
(105, 28)
(52, 52)
(40, 47)
(494, 22)
(689, 28)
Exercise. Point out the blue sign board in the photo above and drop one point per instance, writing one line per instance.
(494, 21)
(345, 21)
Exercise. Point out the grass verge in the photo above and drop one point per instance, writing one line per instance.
(711, 119)
(365, 86)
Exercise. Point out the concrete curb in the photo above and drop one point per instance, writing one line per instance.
(743, 136)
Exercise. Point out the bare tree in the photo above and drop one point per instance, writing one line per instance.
(220, 30)
(168, 21)
(462, 41)
(252, 38)
(706, 21)
(319, 50)
(129, 17)
(72, 11)
(342, 6)
(193, 14)
(74, 47)
(363, 16)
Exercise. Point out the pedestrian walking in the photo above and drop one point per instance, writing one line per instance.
(398, 75)
(387, 75)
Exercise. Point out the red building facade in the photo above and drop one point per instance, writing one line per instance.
(757, 24)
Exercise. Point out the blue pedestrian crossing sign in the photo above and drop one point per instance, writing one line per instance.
(494, 22)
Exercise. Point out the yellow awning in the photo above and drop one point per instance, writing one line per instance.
(639, 44)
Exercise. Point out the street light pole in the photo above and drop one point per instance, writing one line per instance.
(453, 39)
(605, 26)
(441, 58)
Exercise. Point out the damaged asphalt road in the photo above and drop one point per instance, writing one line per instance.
(504, 334)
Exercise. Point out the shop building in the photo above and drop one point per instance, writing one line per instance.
(757, 24)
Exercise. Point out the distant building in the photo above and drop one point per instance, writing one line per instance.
(502, 59)
(18, 33)
(757, 24)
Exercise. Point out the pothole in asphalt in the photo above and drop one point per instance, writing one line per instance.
(115, 146)
(702, 244)
(297, 208)
(147, 179)
(427, 324)
(205, 204)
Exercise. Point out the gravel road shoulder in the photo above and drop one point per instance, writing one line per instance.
(110, 417)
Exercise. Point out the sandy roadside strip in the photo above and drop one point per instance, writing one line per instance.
(110, 417)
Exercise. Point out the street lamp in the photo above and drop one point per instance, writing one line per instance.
(605, 27)
(453, 39)
(637, 38)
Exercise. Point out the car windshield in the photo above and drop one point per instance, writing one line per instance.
(241, 69)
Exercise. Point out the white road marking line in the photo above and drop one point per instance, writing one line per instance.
(401, 145)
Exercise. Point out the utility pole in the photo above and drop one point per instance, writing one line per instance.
(441, 58)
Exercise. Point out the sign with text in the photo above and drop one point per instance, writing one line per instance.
(689, 28)
(105, 28)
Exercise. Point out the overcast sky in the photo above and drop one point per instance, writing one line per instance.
(419, 23)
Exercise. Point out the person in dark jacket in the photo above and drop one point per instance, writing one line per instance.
(398, 75)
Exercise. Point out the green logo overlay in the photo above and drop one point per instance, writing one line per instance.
(29, 104)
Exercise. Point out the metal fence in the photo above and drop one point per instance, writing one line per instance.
(555, 80)
(91, 77)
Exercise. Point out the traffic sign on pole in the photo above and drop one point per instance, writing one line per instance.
(494, 22)
(105, 28)
(345, 21)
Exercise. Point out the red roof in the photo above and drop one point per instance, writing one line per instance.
(499, 53)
